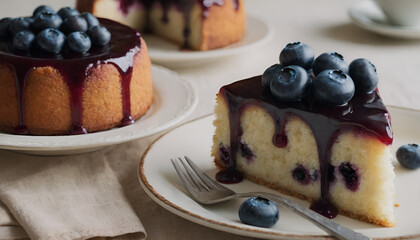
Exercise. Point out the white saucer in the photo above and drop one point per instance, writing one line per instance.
(174, 99)
(194, 139)
(166, 53)
(367, 15)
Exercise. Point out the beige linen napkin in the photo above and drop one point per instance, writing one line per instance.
(71, 197)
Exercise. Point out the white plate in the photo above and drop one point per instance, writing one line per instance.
(173, 100)
(194, 139)
(169, 54)
(369, 16)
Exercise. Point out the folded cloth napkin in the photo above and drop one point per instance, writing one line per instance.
(69, 197)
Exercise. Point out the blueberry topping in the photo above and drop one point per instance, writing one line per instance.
(409, 156)
(19, 24)
(51, 40)
(259, 212)
(23, 40)
(333, 87)
(297, 53)
(66, 12)
(90, 19)
(78, 42)
(41, 9)
(269, 74)
(99, 35)
(350, 175)
(331, 175)
(74, 24)
(330, 60)
(364, 75)
(301, 174)
(4, 26)
(290, 84)
(47, 20)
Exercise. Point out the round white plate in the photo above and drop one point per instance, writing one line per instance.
(369, 16)
(173, 100)
(169, 54)
(194, 139)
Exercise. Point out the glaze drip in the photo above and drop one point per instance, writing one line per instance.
(364, 114)
(75, 68)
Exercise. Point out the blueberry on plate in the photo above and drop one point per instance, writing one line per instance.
(4, 26)
(42, 8)
(99, 35)
(78, 42)
(290, 84)
(19, 24)
(46, 20)
(259, 212)
(74, 24)
(66, 12)
(51, 40)
(364, 75)
(23, 40)
(330, 60)
(409, 156)
(333, 87)
(297, 53)
(90, 19)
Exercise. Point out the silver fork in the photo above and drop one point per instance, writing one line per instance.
(207, 191)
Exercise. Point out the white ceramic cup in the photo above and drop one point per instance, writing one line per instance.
(401, 12)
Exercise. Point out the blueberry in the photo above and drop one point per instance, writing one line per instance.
(330, 60)
(246, 152)
(19, 24)
(47, 20)
(290, 84)
(301, 174)
(41, 9)
(297, 53)
(99, 35)
(269, 74)
(350, 175)
(364, 75)
(78, 42)
(23, 40)
(333, 87)
(90, 19)
(51, 40)
(4, 26)
(74, 24)
(259, 212)
(66, 12)
(409, 156)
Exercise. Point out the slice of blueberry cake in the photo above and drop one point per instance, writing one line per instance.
(316, 129)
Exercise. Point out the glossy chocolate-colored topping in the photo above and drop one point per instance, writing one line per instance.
(364, 114)
(74, 68)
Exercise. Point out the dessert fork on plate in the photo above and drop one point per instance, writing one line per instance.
(205, 190)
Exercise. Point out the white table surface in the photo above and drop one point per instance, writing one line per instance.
(323, 24)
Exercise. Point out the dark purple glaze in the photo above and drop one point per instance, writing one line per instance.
(364, 114)
(229, 176)
(74, 68)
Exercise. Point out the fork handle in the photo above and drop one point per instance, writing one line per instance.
(322, 222)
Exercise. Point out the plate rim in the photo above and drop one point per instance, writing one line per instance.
(191, 103)
(178, 210)
(219, 52)
(403, 32)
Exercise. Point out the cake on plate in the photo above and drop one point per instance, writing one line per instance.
(314, 129)
(193, 24)
(51, 84)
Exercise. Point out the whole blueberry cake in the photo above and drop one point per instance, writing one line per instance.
(313, 128)
(193, 24)
(71, 73)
